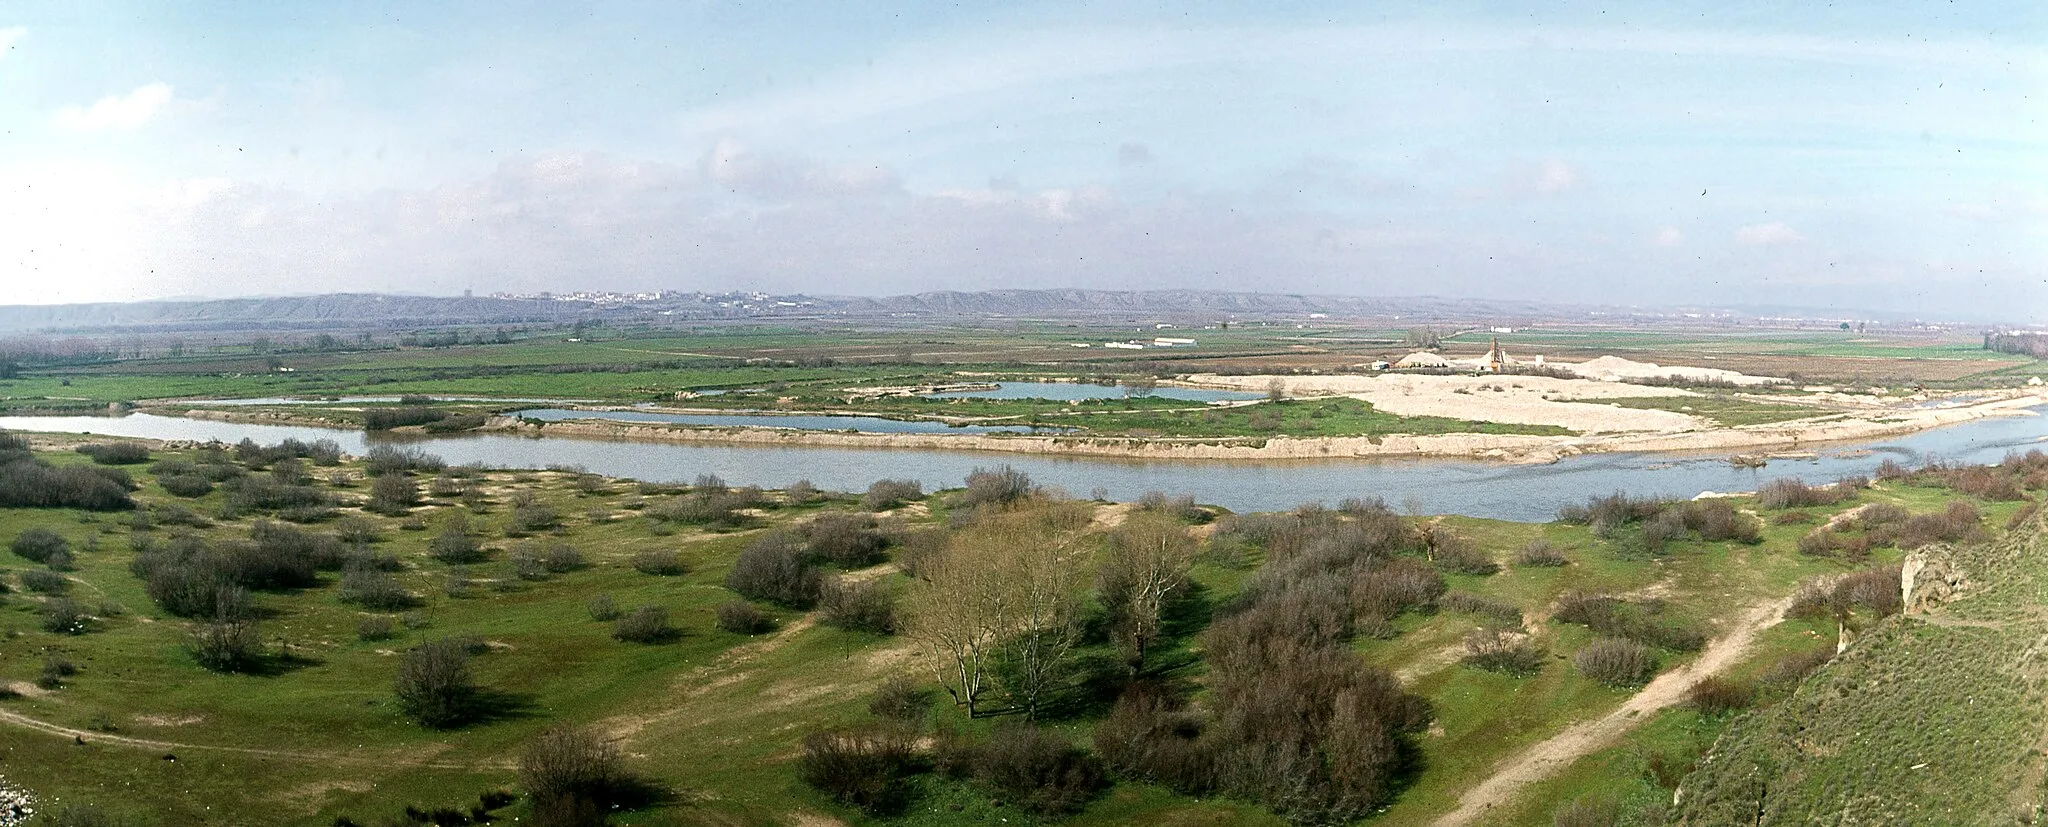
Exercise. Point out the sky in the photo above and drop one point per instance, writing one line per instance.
(1887, 156)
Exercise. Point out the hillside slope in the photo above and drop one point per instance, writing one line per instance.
(1936, 717)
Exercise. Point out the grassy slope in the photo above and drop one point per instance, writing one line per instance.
(1928, 719)
(715, 715)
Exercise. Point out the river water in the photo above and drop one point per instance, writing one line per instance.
(1512, 492)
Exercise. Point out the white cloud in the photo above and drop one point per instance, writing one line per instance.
(9, 35)
(1555, 176)
(1668, 237)
(1772, 233)
(128, 111)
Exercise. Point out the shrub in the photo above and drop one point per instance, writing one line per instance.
(740, 617)
(26, 482)
(1959, 522)
(559, 557)
(1585, 812)
(434, 684)
(1458, 555)
(773, 568)
(526, 519)
(1502, 650)
(574, 777)
(603, 608)
(801, 492)
(1038, 770)
(393, 494)
(357, 530)
(62, 561)
(864, 606)
(647, 624)
(1504, 614)
(37, 544)
(862, 766)
(55, 670)
(375, 627)
(1714, 695)
(845, 540)
(186, 485)
(454, 545)
(1001, 485)
(225, 646)
(1793, 668)
(659, 563)
(115, 453)
(365, 585)
(884, 495)
(391, 459)
(1614, 617)
(45, 582)
(64, 616)
(902, 700)
(1616, 662)
(1791, 493)
(1716, 520)
(1150, 736)
(1540, 553)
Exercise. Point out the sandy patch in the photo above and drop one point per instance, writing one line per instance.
(1518, 400)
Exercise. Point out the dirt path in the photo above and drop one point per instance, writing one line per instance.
(25, 722)
(1545, 758)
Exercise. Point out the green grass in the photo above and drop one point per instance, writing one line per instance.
(1724, 410)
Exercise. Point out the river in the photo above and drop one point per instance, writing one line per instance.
(1530, 493)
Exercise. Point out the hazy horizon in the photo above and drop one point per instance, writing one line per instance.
(1722, 154)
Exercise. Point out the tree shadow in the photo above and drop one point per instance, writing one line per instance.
(275, 664)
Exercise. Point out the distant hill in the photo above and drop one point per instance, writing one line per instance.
(375, 311)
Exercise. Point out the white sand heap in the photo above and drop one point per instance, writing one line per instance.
(1617, 369)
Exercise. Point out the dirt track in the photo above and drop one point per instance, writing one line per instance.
(1547, 757)
(25, 722)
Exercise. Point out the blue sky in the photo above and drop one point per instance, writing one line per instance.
(1888, 156)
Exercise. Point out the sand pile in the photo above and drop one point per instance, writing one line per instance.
(1617, 369)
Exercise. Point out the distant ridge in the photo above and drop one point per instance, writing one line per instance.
(377, 311)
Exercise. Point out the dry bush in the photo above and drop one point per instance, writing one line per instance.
(454, 546)
(647, 624)
(1180, 508)
(1716, 520)
(659, 563)
(434, 684)
(375, 627)
(1540, 553)
(37, 544)
(64, 616)
(1502, 613)
(1037, 770)
(1459, 555)
(1714, 695)
(226, 646)
(884, 495)
(774, 567)
(845, 540)
(1616, 662)
(115, 453)
(574, 777)
(1001, 485)
(603, 608)
(801, 492)
(1793, 668)
(740, 617)
(1507, 651)
(862, 606)
(393, 494)
(1585, 812)
(1960, 522)
(902, 700)
(1791, 493)
(1614, 617)
(862, 766)
(44, 582)
(1149, 735)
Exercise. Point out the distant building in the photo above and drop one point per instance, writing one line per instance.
(1381, 365)
(1166, 341)
(1124, 345)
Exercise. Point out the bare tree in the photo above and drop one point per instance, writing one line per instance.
(1002, 590)
(1148, 562)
